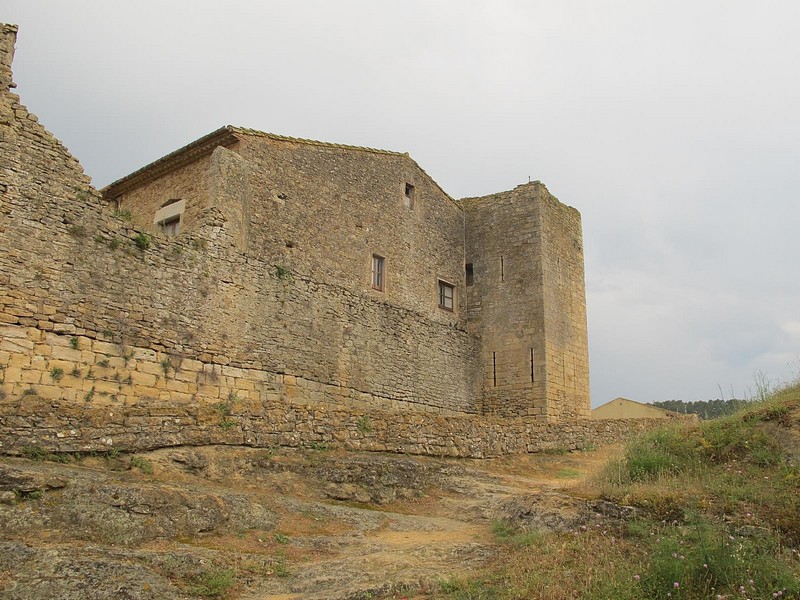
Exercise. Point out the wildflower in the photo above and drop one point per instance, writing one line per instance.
(636, 577)
(676, 585)
(705, 565)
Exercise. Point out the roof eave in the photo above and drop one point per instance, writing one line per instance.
(224, 136)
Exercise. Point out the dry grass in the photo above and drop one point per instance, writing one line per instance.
(719, 506)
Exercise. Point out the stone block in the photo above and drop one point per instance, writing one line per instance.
(66, 353)
(31, 376)
(144, 354)
(105, 348)
(188, 364)
(18, 360)
(11, 331)
(16, 345)
(145, 379)
(106, 387)
(49, 392)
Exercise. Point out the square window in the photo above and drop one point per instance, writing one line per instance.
(446, 295)
(377, 272)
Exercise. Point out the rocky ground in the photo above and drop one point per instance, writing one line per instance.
(254, 524)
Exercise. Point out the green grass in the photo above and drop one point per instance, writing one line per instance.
(718, 507)
(144, 465)
(215, 583)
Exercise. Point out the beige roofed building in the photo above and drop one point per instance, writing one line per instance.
(622, 408)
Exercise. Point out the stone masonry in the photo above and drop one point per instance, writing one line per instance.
(258, 322)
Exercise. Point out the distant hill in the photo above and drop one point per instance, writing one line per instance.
(705, 409)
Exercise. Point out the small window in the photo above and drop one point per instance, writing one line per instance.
(377, 272)
(445, 295)
(171, 227)
(470, 274)
(409, 196)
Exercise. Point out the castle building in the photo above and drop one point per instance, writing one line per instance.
(267, 268)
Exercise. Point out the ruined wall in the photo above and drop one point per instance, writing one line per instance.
(69, 266)
(526, 303)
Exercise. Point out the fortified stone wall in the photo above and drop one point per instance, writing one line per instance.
(69, 266)
(86, 396)
(113, 335)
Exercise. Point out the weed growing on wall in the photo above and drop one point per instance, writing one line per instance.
(364, 425)
(73, 342)
(143, 241)
(283, 274)
(77, 231)
(56, 373)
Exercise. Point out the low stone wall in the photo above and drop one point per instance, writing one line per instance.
(63, 393)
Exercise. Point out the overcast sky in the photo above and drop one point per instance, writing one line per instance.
(674, 127)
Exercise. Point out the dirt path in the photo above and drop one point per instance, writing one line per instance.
(260, 525)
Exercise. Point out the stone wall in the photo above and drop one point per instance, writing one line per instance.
(258, 323)
(64, 393)
(70, 264)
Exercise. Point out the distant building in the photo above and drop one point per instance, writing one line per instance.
(622, 408)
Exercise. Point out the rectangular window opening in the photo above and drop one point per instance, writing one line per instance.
(171, 227)
(502, 269)
(377, 272)
(409, 196)
(470, 274)
(446, 295)
(494, 369)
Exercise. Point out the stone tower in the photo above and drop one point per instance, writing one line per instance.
(526, 303)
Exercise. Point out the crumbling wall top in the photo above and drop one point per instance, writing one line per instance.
(7, 41)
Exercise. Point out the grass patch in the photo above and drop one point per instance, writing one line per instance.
(718, 505)
(568, 473)
(144, 465)
(215, 583)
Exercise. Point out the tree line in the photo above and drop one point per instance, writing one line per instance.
(705, 409)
